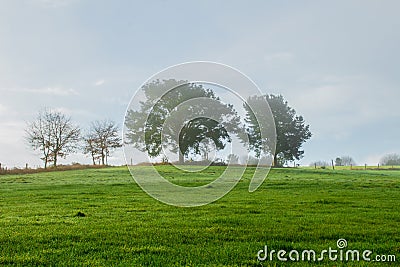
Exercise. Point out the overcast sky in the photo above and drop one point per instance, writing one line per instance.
(336, 62)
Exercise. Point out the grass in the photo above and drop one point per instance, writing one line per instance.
(100, 217)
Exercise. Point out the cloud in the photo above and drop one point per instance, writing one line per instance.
(2, 109)
(46, 91)
(12, 133)
(55, 91)
(73, 111)
(99, 82)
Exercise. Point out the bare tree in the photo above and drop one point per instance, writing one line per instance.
(38, 135)
(91, 148)
(54, 134)
(390, 159)
(347, 161)
(319, 163)
(103, 137)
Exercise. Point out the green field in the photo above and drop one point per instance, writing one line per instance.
(100, 217)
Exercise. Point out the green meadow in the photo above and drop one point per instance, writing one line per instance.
(100, 217)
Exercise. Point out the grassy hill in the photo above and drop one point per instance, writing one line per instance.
(101, 217)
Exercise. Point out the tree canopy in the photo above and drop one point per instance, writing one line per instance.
(291, 130)
(102, 138)
(53, 134)
(149, 128)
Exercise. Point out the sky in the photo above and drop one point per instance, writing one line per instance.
(335, 62)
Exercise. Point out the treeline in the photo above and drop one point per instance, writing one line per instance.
(188, 120)
(269, 127)
(392, 159)
(56, 136)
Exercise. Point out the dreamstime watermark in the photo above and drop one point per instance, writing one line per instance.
(340, 253)
(198, 108)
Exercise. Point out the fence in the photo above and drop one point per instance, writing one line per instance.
(5, 170)
(358, 167)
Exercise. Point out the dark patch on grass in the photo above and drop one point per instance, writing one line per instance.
(330, 201)
(80, 214)
(255, 212)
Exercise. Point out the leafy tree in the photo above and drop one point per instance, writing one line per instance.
(145, 126)
(54, 134)
(390, 160)
(253, 129)
(338, 162)
(103, 137)
(291, 129)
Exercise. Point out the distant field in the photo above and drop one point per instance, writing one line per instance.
(100, 217)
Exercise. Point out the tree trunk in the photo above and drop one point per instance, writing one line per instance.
(55, 161)
(102, 157)
(181, 158)
(275, 161)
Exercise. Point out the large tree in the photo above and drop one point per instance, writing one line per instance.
(54, 134)
(150, 127)
(102, 138)
(291, 129)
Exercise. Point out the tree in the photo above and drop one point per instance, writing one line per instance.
(390, 160)
(205, 148)
(254, 129)
(54, 134)
(338, 162)
(291, 130)
(319, 163)
(91, 147)
(151, 127)
(103, 137)
(347, 161)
